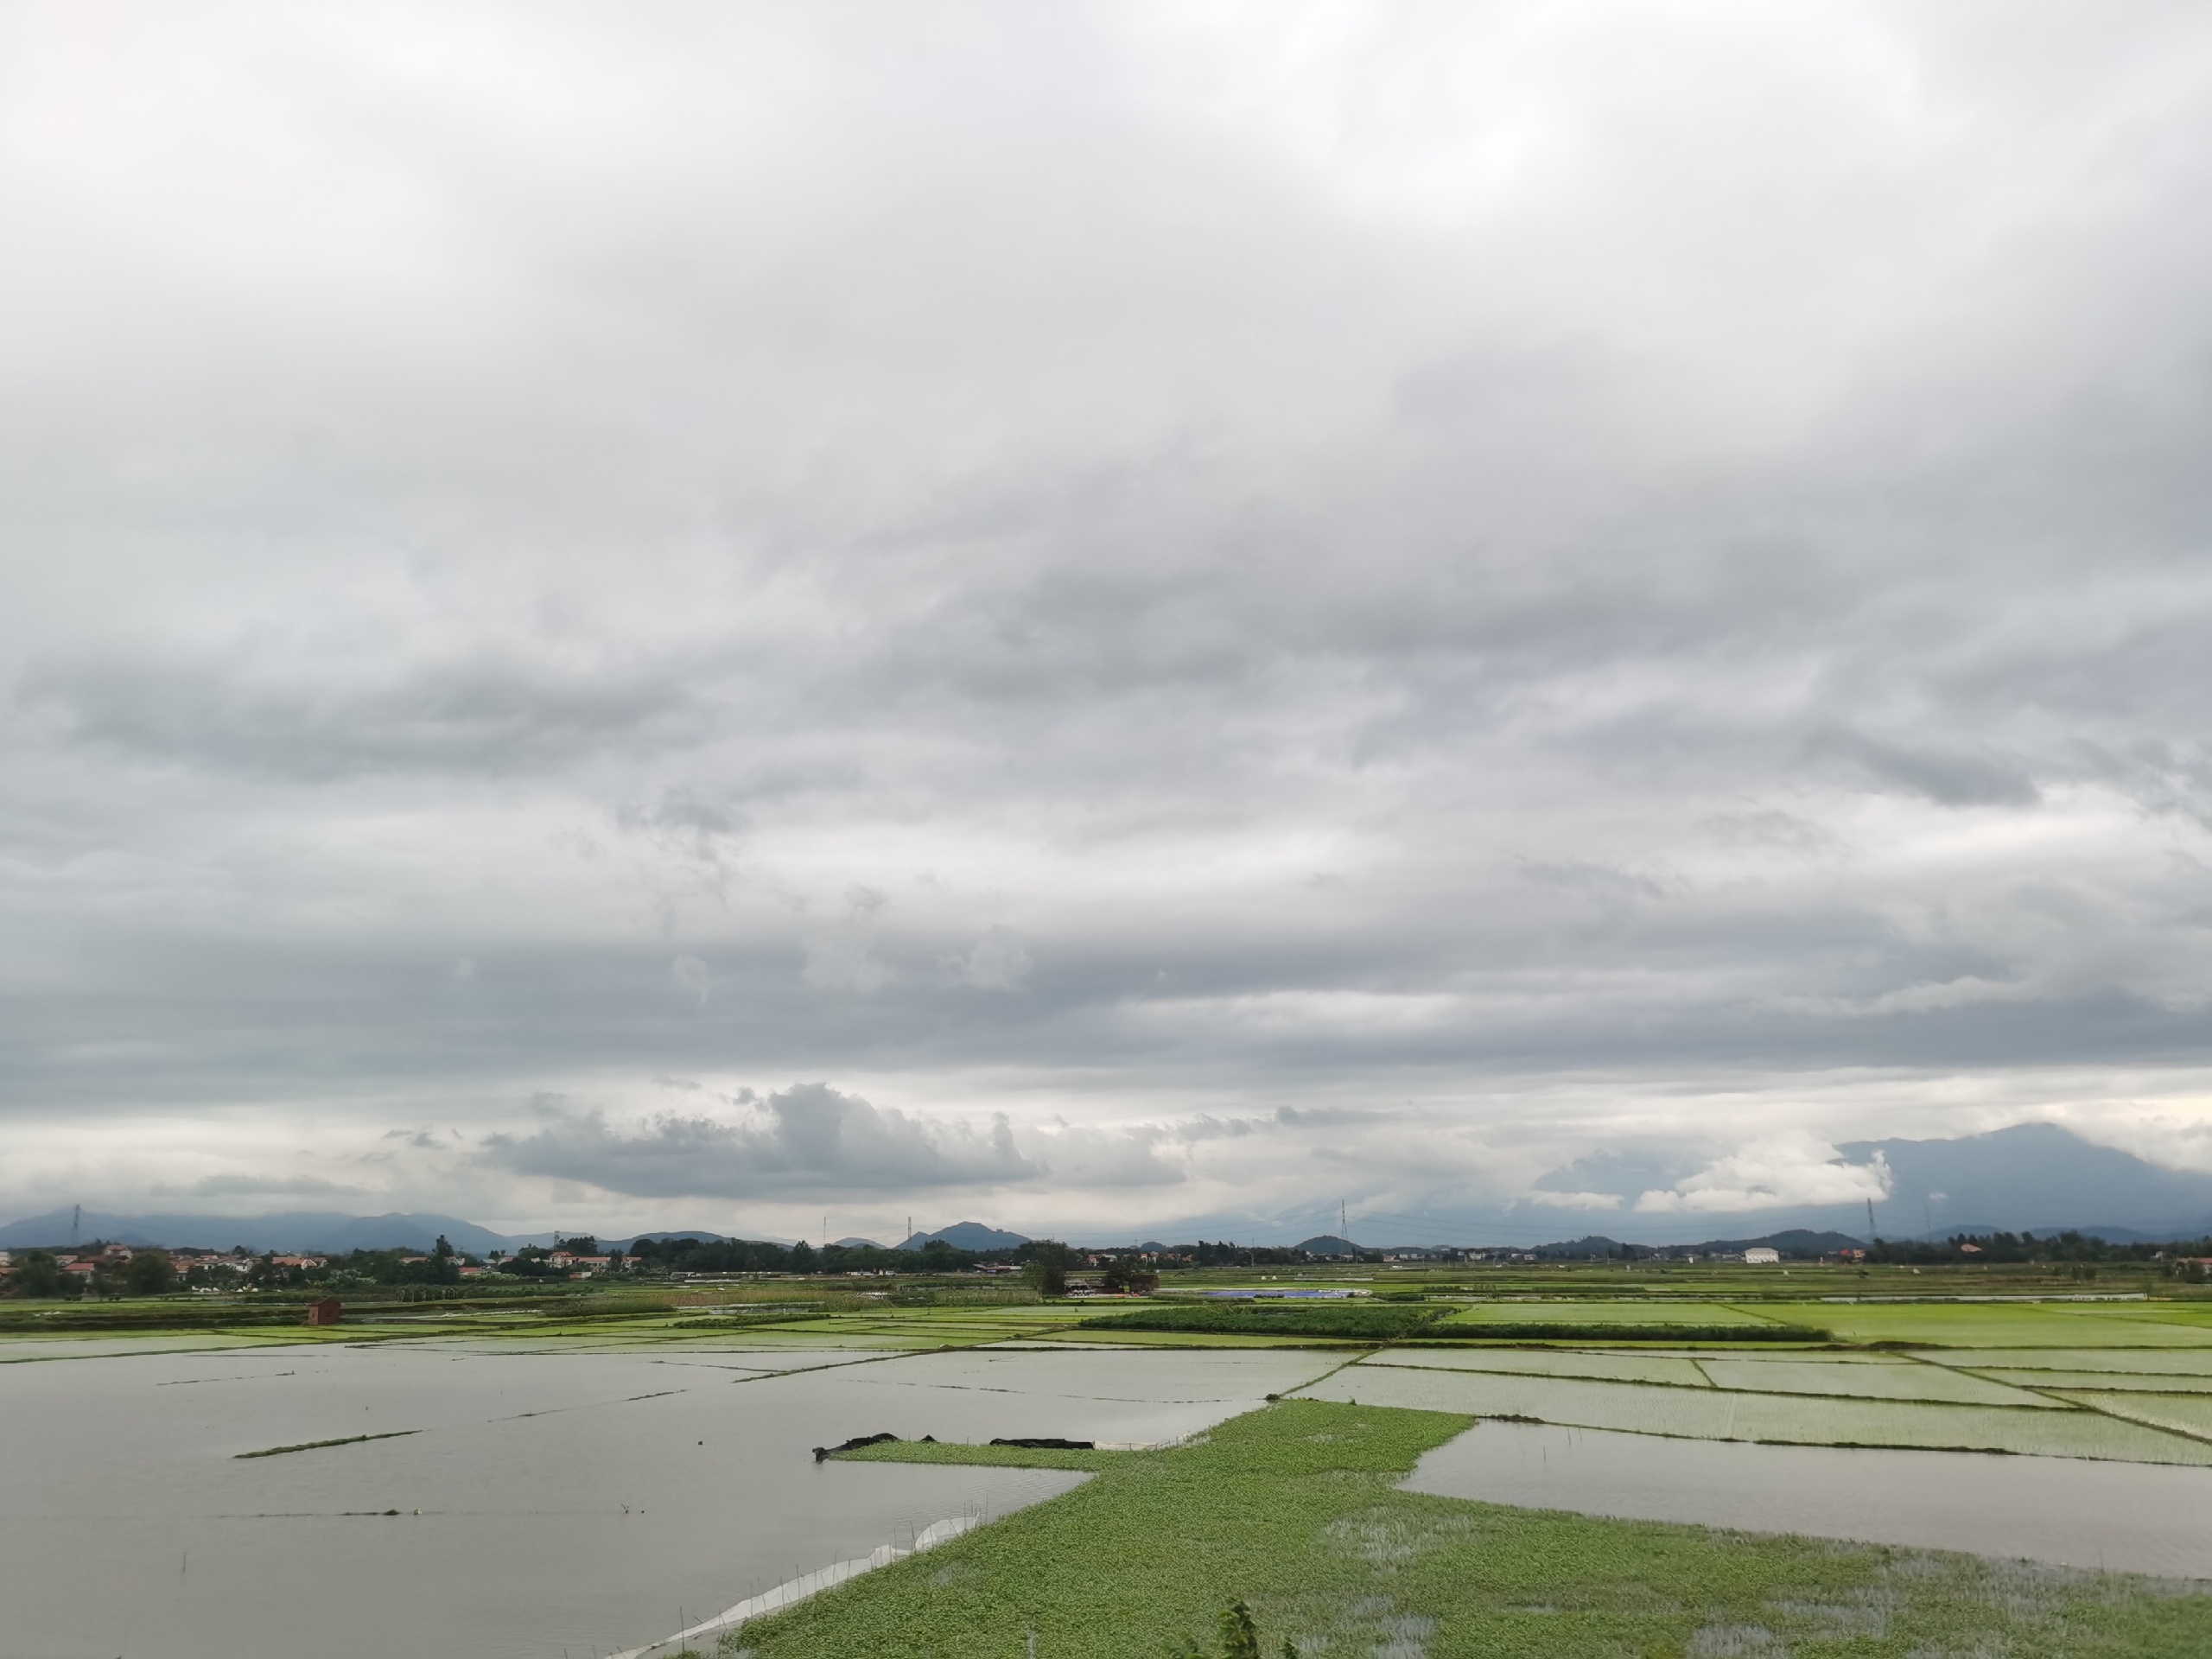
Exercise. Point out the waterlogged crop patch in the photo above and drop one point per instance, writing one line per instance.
(2186, 1413)
(1630, 1367)
(1871, 1379)
(2146, 1382)
(1722, 1415)
(1599, 1313)
(2118, 1362)
(1343, 1321)
(1998, 1325)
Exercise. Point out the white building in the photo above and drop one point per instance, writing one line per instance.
(1761, 1255)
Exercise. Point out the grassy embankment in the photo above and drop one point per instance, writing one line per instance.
(1294, 1509)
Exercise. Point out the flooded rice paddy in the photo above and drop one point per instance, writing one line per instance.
(591, 1494)
(526, 1503)
(2129, 1517)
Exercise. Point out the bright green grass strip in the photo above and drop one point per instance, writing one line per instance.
(1295, 1510)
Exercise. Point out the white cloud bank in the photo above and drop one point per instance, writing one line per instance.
(1786, 1172)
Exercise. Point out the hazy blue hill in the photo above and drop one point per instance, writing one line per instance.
(968, 1235)
(1328, 1244)
(2033, 1177)
(315, 1231)
(1793, 1241)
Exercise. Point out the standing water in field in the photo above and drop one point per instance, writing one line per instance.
(437, 1499)
(2128, 1516)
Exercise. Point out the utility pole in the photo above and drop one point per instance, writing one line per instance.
(1343, 1222)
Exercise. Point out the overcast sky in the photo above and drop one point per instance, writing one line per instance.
(1520, 617)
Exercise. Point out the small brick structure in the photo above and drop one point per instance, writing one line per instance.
(326, 1311)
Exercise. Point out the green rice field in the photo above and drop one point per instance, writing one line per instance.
(1295, 1511)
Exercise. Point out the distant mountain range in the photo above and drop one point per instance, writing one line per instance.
(2034, 1178)
(1794, 1242)
(315, 1231)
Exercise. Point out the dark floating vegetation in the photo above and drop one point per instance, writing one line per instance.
(822, 1453)
(316, 1446)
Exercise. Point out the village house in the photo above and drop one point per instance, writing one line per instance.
(1761, 1256)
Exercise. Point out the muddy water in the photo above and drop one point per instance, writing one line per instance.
(2132, 1518)
(547, 1505)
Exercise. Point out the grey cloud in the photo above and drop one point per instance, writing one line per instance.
(1950, 777)
(806, 1139)
(303, 721)
(1344, 610)
(237, 1185)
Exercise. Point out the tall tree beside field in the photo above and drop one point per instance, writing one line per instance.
(150, 1274)
(38, 1274)
(1045, 1264)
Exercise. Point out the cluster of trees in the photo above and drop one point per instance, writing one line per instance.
(757, 1255)
(38, 1274)
(2065, 1248)
(363, 1268)
(1226, 1254)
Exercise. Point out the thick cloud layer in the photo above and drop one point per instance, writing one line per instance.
(1205, 611)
